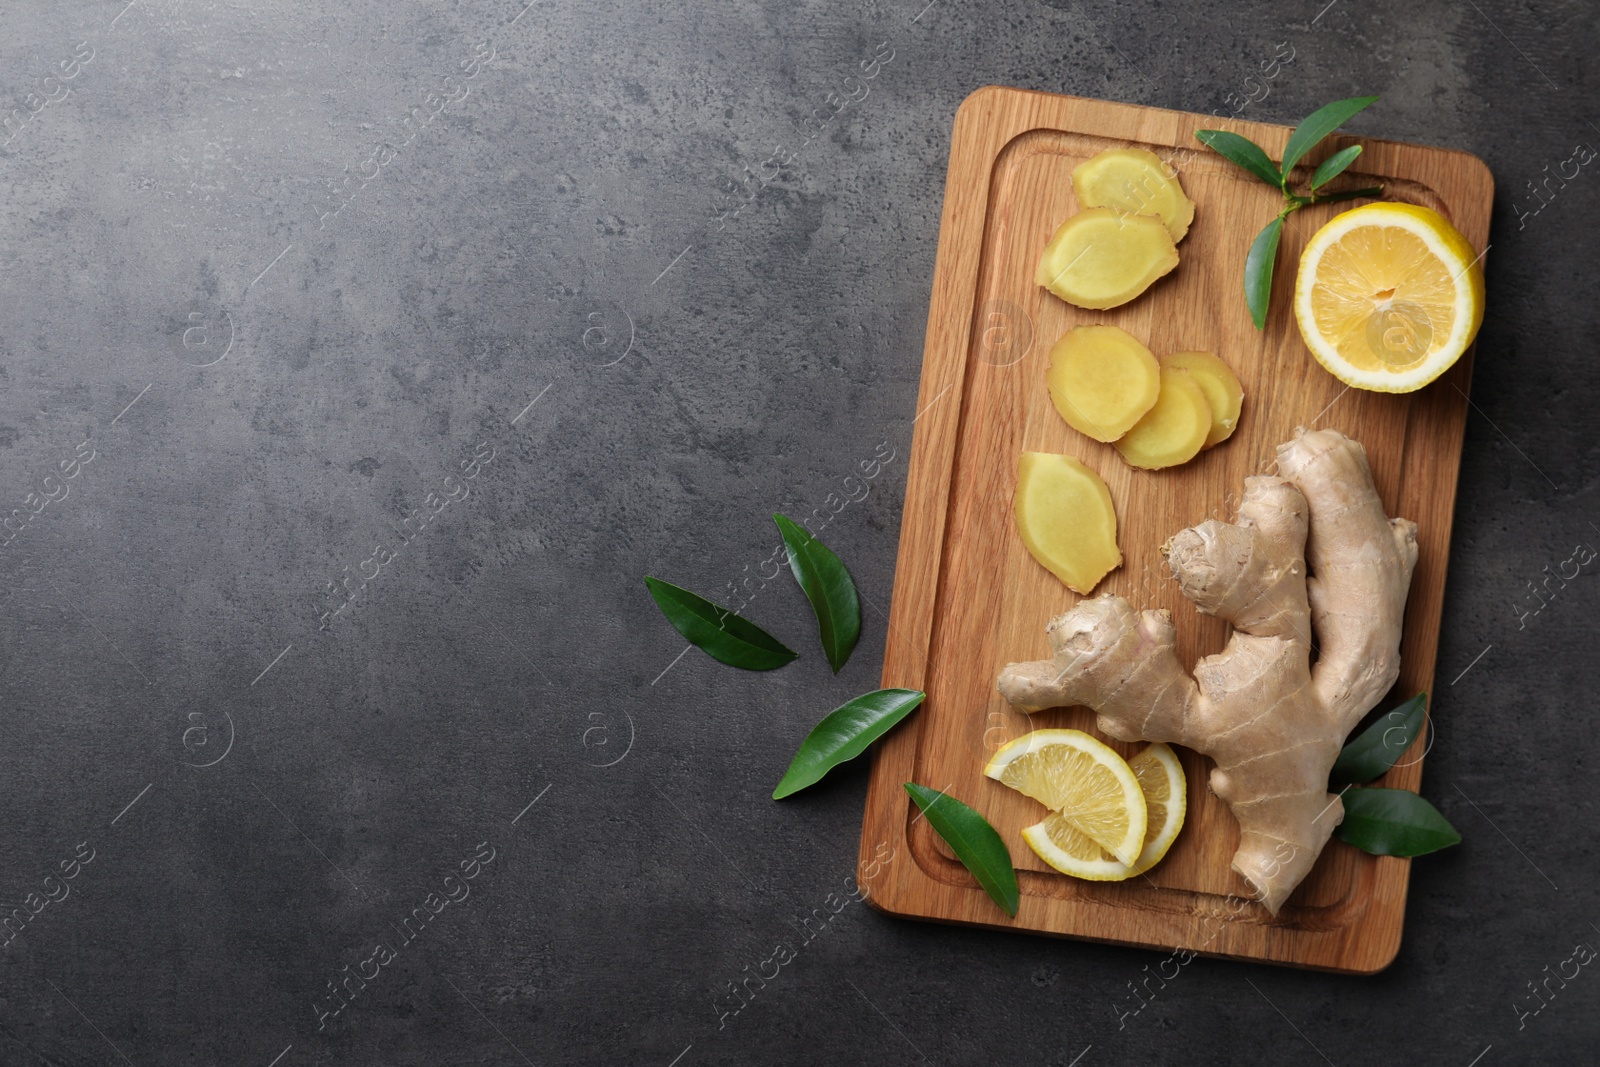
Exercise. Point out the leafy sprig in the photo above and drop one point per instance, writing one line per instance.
(1388, 822)
(1263, 256)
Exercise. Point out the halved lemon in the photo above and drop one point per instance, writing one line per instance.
(1160, 776)
(1081, 779)
(1388, 296)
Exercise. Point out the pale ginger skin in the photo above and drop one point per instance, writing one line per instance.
(1273, 721)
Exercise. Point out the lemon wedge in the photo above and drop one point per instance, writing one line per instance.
(1064, 848)
(1388, 296)
(1161, 778)
(1083, 781)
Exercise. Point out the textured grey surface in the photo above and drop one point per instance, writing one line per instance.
(296, 791)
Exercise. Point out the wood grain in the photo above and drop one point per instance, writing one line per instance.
(968, 598)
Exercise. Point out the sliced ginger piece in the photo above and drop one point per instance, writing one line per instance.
(1221, 387)
(1174, 430)
(1065, 517)
(1102, 258)
(1102, 380)
(1136, 181)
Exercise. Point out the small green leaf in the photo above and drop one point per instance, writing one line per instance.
(827, 585)
(974, 841)
(844, 734)
(1242, 151)
(1318, 125)
(1258, 267)
(1379, 745)
(1334, 165)
(720, 633)
(1349, 194)
(1394, 822)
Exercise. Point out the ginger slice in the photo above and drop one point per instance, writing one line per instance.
(1173, 431)
(1102, 258)
(1065, 517)
(1271, 719)
(1221, 387)
(1136, 181)
(1102, 380)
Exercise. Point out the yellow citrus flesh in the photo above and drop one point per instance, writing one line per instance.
(1166, 799)
(1224, 393)
(1102, 380)
(1388, 296)
(1134, 180)
(1161, 778)
(1064, 848)
(1064, 516)
(1082, 780)
(1103, 258)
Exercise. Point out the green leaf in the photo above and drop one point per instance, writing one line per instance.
(720, 633)
(1242, 151)
(1335, 165)
(827, 585)
(1394, 822)
(1379, 745)
(844, 734)
(1349, 194)
(974, 841)
(1258, 267)
(1318, 125)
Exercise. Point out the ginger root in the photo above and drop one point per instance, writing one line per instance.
(1272, 721)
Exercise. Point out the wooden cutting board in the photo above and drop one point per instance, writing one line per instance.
(968, 598)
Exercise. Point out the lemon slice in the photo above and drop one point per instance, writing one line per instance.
(1058, 844)
(1083, 780)
(1166, 798)
(1388, 296)
(1161, 779)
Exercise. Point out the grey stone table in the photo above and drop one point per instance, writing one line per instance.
(453, 306)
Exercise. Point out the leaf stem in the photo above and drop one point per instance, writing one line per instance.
(1241, 150)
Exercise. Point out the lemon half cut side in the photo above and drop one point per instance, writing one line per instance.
(1388, 296)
